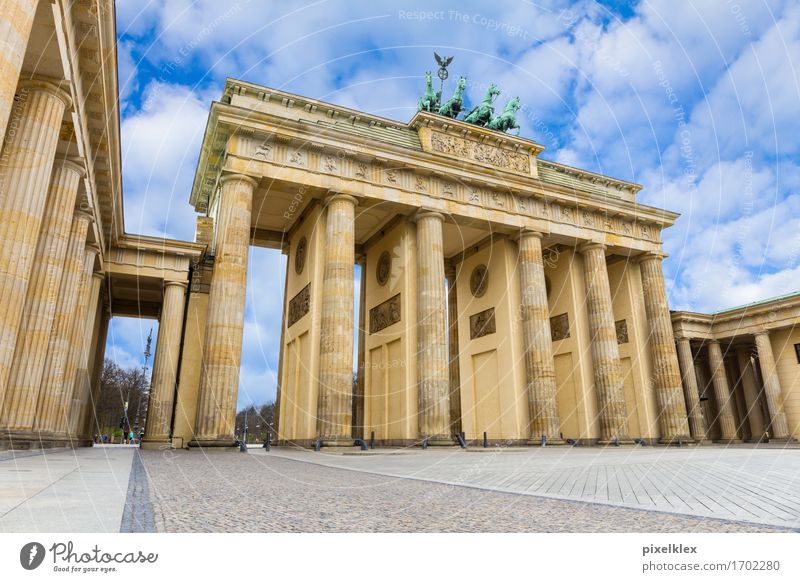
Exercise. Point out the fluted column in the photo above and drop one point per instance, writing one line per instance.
(16, 21)
(755, 416)
(334, 407)
(26, 163)
(666, 373)
(722, 392)
(222, 347)
(58, 344)
(433, 368)
(82, 390)
(697, 424)
(165, 368)
(537, 341)
(778, 427)
(27, 367)
(455, 370)
(69, 408)
(605, 350)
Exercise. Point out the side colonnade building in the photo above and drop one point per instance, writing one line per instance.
(503, 297)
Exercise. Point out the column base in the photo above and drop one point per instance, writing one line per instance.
(28, 440)
(221, 444)
(727, 441)
(338, 442)
(679, 440)
(439, 441)
(156, 444)
(537, 442)
(781, 440)
(623, 440)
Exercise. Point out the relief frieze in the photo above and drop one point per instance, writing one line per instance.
(480, 152)
(299, 305)
(482, 324)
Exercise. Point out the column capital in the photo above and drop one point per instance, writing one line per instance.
(340, 196)
(99, 275)
(84, 215)
(183, 284)
(761, 332)
(526, 232)
(590, 246)
(47, 87)
(239, 177)
(651, 256)
(427, 213)
(92, 248)
(74, 164)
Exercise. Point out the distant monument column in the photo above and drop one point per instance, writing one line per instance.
(432, 356)
(27, 368)
(58, 346)
(537, 341)
(165, 367)
(666, 372)
(335, 404)
(26, 163)
(697, 424)
(222, 347)
(778, 428)
(605, 350)
(16, 22)
(722, 392)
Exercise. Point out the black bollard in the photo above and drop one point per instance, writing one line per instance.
(544, 440)
(485, 441)
(424, 443)
(372, 440)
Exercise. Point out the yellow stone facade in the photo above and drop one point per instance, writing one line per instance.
(504, 299)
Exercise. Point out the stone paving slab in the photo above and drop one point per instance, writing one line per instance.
(285, 491)
(758, 485)
(81, 490)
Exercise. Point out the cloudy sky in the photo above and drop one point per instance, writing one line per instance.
(699, 101)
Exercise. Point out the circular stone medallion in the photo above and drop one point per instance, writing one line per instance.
(300, 256)
(479, 281)
(384, 268)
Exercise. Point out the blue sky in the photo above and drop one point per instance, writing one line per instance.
(696, 100)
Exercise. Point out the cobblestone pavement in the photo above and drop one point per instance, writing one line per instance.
(759, 485)
(266, 492)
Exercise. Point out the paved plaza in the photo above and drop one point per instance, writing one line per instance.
(117, 488)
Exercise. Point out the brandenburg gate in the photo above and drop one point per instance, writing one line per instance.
(501, 294)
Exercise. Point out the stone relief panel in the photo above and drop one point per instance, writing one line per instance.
(300, 255)
(622, 331)
(479, 281)
(559, 327)
(299, 305)
(480, 152)
(482, 324)
(384, 268)
(385, 314)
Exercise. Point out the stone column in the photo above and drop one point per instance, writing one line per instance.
(165, 368)
(26, 163)
(666, 373)
(455, 370)
(69, 409)
(96, 367)
(778, 428)
(605, 350)
(750, 388)
(58, 345)
(334, 407)
(722, 392)
(222, 346)
(27, 367)
(537, 341)
(16, 21)
(697, 423)
(433, 366)
(363, 316)
(82, 391)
